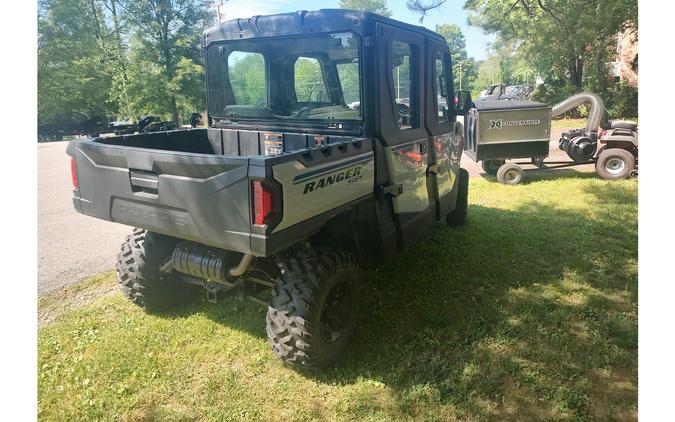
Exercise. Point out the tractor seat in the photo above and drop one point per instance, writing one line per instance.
(623, 124)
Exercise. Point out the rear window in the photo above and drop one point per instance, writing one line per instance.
(247, 77)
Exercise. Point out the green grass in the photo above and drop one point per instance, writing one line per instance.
(529, 312)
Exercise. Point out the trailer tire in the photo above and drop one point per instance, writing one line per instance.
(457, 217)
(314, 307)
(138, 272)
(615, 163)
(491, 166)
(510, 174)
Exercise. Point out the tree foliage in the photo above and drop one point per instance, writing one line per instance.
(165, 36)
(464, 69)
(560, 38)
(377, 6)
(74, 74)
(119, 58)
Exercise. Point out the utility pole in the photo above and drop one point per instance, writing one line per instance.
(460, 75)
(216, 4)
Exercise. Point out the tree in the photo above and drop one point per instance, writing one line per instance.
(74, 76)
(165, 51)
(377, 6)
(422, 7)
(561, 37)
(464, 69)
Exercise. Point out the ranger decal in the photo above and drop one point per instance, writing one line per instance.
(349, 176)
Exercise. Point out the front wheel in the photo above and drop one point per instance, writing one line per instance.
(510, 174)
(615, 163)
(314, 308)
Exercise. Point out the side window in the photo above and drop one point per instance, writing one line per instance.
(440, 90)
(246, 71)
(405, 85)
(310, 86)
(349, 80)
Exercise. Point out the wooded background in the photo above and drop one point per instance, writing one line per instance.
(128, 58)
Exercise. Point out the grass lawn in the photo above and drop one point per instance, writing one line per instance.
(529, 312)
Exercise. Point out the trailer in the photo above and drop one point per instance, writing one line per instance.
(504, 129)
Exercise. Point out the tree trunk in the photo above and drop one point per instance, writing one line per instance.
(120, 57)
(576, 68)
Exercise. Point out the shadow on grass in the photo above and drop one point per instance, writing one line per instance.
(536, 174)
(527, 314)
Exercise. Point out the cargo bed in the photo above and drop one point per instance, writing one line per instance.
(196, 184)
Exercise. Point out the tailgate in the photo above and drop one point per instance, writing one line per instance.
(198, 197)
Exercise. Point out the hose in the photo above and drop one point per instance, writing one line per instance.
(597, 117)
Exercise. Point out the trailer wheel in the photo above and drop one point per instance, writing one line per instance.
(138, 275)
(615, 163)
(314, 307)
(491, 166)
(510, 174)
(457, 217)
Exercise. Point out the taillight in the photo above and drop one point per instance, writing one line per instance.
(73, 172)
(262, 202)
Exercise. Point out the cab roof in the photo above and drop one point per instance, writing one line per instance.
(303, 22)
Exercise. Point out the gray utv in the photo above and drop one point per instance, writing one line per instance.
(326, 146)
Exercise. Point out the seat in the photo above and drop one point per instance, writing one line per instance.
(623, 124)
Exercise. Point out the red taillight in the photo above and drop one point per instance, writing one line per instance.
(73, 172)
(262, 202)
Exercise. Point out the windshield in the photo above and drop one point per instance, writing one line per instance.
(314, 77)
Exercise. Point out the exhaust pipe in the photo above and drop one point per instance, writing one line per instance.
(597, 117)
(243, 266)
(201, 261)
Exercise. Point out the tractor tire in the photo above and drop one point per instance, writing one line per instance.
(510, 174)
(138, 272)
(615, 163)
(491, 166)
(457, 217)
(314, 307)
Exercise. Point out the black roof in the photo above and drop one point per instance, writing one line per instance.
(302, 22)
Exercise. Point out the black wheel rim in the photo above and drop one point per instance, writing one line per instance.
(336, 312)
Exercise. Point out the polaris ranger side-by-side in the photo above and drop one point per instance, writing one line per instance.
(326, 145)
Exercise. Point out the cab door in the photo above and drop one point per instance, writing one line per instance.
(446, 137)
(402, 129)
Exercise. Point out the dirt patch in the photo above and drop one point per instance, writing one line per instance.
(74, 296)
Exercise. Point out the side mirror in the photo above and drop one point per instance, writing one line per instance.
(463, 102)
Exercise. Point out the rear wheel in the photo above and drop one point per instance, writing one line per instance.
(615, 163)
(510, 174)
(491, 166)
(314, 307)
(458, 216)
(139, 276)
